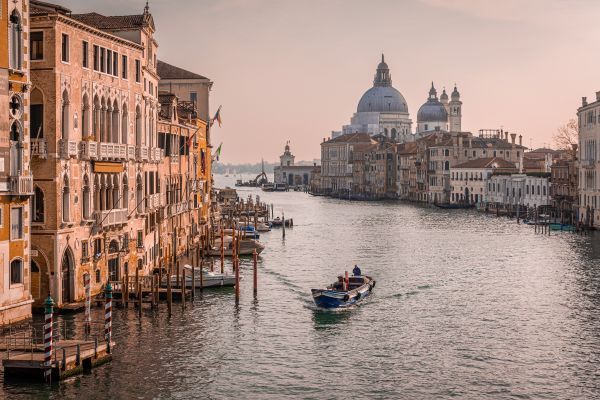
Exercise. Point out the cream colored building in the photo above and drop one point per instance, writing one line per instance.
(589, 167)
(469, 180)
(16, 182)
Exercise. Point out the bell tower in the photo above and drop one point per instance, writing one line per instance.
(455, 111)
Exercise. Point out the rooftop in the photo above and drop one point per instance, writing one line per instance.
(168, 71)
(489, 162)
(352, 138)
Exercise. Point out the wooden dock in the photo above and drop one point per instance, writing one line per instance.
(70, 357)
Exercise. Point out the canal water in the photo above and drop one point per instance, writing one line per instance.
(465, 305)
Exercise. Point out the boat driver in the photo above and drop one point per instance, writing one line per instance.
(356, 271)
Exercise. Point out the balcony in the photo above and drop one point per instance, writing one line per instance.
(130, 152)
(178, 208)
(21, 185)
(67, 148)
(89, 150)
(106, 219)
(39, 148)
(141, 153)
(156, 155)
(154, 201)
(112, 151)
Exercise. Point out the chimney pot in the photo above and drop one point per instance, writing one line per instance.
(520, 140)
(584, 101)
(513, 136)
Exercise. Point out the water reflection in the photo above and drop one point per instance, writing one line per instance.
(330, 319)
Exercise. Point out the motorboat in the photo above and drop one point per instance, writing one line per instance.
(209, 278)
(345, 292)
(246, 248)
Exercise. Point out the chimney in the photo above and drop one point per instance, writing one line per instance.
(583, 101)
(597, 96)
(506, 136)
(520, 140)
(513, 136)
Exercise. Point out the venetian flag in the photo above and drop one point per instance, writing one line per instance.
(218, 152)
(217, 117)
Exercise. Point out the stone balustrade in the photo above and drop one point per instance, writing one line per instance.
(21, 185)
(39, 148)
(108, 218)
(67, 148)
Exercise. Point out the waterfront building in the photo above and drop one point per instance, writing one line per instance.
(192, 91)
(95, 154)
(336, 162)
(18, 276)
(563, 191)
(470, 179)
(589, 169)
(531, 191)
(287, 172)
(374, 170)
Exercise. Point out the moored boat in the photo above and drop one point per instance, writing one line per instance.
(246, 248)
(346, 292)
(209, 278)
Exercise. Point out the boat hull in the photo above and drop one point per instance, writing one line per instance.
(331, 299)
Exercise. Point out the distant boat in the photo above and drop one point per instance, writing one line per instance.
(345, 292)
(268, 187)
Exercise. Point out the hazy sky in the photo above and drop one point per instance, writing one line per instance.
(295, 69)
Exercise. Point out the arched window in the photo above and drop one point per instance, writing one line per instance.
(16, 41)
(139, 197)
(37, 206)
(102, 122)
(36, 112)
(85, 116)
(447, 165)
(138, 126)
(124, 124)
(125, 197)
(544, 190)
(64, 127)
(16, 149)
(86, 198)
(115, 190)
(394, 133)
(66, 200)
(16, 271)
(116, 123)
(96, 116)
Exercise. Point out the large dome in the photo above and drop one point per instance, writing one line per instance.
(382, 99)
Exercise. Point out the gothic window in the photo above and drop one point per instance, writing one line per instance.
(115, 193)
(125, 198)
(139, 195)
(65, 116)
(96, 121)
(138, 126)
(124, 124)
(16, 41)
(115, 123)
(65, 200)
(16, 149)
(447, 165)
(86, 198)
(85, 116)
(16, 106)
(37, 206)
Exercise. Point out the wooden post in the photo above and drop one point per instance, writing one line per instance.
(125, 289)
(255, 259)
(108, 316)
(169, 293)
(139, 291)
(283, 226)
(183, 284)
(222, 249)
(237, 280)
(194, 277)
(137, 280)
(201, 273)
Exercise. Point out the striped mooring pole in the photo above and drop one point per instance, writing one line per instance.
(49, 309)
(108, 315)
(88, 318)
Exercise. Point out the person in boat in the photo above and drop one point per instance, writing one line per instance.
(356, 271)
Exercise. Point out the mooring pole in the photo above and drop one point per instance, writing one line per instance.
(255, 259)
(49, 310)
(237, 279)
(88, 320)
(108, 293)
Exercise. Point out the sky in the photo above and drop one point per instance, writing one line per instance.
(296, 69)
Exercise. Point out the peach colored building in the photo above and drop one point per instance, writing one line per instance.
(95, 153)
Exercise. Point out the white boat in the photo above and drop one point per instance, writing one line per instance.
(247, 247)
(263, 227)
(209, 279)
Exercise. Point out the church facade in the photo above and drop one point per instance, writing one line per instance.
(383, 110)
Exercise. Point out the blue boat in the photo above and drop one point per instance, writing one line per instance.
(249, 231)
(344, 292)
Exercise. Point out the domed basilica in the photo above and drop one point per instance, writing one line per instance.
(382, 110)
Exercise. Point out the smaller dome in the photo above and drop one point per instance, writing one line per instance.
(444, 95)
(432, 110)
